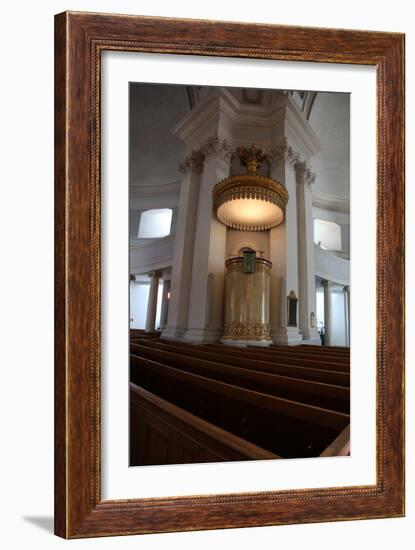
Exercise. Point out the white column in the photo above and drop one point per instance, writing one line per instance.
(283, 254)
(152, 301)
(183, 250)
(306, 270)
(132, 300)
(165, 303)
(346, 290)
(328, 312)
(206, 297)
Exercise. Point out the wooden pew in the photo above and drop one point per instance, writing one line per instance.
(317, 352)
(313, 350)
(267, 365)
(323, 395)
(286, 357)
(140, 333)
(162, 433)
(284, 427)
(258, 354)
(340, 446)
(328, 349)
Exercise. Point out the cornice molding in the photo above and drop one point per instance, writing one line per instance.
(297, 128)
(141, 189)
(221, 103)
(330, 267)
(330, 202)
(138, 243)
(300, 143)
(160, 265)
(219, 100)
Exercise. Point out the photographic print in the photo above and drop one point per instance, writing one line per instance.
(239, 252)
(202, 274)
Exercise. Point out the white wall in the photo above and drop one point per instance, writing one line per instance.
(341, 218)
(328, 234)
(235, 240)
(26, 114)
(139, 304)
(330, 118)
(339, 319)
(338, 329)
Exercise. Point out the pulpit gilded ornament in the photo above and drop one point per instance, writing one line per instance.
(249, 202)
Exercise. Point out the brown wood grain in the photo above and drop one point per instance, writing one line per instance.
(236, 372)
(293, 409)
(79, 39)
(185, 435)
(256, 362)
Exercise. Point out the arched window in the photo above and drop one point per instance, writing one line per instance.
(327, 235)
(155, 223)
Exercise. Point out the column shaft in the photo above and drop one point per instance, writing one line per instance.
(306, 270)
(132, 299)
(346, 290)
(206, 295)
(183, 255)
(152, 301)
(328, 313)
(164, 304)
(284, 258)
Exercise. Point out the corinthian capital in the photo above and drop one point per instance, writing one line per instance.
(213, 145)
(283, 151)
(194, 162)
(303, 173)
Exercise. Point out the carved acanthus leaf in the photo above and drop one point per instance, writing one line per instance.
(285, 152)
(211, 146)
(303, 173)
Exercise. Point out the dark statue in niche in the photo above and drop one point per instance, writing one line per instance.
(292, 301)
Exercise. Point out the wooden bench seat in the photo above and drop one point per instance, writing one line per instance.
(284, 427)
(264, 365)
(343, 349)
(308, 353)
(162, 433)
(340, 446)
(315, 393)
(283, 357)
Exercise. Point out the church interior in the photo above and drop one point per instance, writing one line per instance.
(239, 274)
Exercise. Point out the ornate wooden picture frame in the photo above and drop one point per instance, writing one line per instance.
(80, 38)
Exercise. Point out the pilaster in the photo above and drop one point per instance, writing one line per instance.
(328, 312)
(346, 290)
(283, 249)
(205, 323)
(152, 301)
(184, 247)
(306, 266)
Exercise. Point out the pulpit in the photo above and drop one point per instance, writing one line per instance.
(247, 299)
